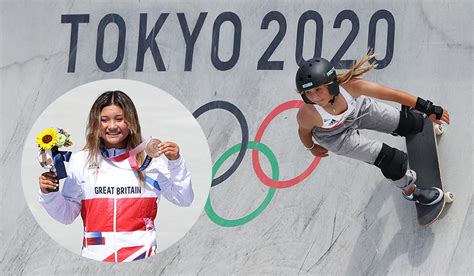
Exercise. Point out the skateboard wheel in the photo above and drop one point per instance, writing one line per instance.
(449, 197)
(438, 129)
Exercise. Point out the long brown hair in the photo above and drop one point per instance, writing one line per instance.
(93, 139)
(358, 69)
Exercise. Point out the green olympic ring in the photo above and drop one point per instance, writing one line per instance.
(271, 192)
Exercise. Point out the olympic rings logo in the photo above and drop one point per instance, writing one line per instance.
(256, 146)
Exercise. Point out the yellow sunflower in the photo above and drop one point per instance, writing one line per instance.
(47, 139)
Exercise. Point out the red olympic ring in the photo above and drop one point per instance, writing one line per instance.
(255, 158)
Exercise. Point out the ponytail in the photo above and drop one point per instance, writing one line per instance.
(358, 69)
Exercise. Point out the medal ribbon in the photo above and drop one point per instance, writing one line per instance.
(150, 146)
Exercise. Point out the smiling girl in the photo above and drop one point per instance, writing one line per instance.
(339, 105)
(118, 204)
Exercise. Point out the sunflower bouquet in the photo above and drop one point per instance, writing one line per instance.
(53, 137)
(50, 157)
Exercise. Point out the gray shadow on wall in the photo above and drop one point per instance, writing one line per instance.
(411, 239)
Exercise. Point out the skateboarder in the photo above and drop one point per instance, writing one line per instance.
(339, 105)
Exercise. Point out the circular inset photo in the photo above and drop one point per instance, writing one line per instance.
(116, 170)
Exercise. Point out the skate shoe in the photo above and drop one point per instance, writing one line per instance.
(423, 196)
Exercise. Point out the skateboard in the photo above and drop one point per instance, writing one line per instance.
(424, 160)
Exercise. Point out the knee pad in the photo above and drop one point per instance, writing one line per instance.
(392, 162)
(410, 123)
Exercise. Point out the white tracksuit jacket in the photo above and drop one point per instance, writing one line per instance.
(118, 214)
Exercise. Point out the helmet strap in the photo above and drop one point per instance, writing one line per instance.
(332, 100)
(305, 99)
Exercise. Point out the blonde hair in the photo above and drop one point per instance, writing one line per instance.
(93, 140)
(358, 69)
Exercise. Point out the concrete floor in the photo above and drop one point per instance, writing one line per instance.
(345, 218)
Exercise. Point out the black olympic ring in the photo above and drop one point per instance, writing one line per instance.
(243, 126)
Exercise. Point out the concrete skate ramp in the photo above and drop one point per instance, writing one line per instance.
(329, 216)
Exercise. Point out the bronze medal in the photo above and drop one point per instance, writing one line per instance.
(151, 148)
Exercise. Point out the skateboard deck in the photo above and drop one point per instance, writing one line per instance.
(423, 159)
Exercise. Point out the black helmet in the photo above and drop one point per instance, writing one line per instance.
(313, 73)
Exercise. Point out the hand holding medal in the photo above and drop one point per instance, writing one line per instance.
(153, 148)
(50, 158)
(169, 149)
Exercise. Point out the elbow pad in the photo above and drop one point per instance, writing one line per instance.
(428, 108)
